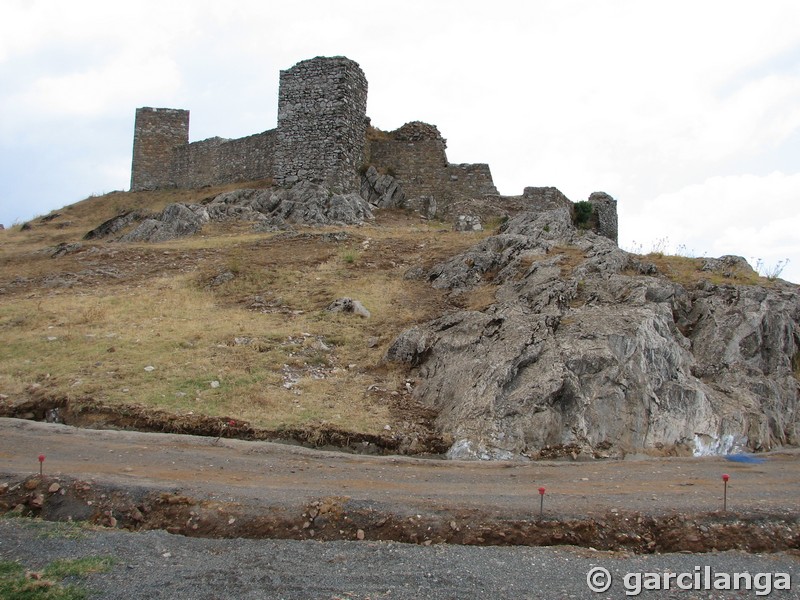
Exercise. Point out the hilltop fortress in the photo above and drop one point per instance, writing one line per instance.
(324, 137)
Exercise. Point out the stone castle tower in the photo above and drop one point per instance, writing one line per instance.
(321, 134)
(158, 131)
(322, 123)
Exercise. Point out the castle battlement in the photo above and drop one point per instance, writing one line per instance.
(323, 136)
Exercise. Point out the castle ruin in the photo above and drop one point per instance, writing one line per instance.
(323, 136)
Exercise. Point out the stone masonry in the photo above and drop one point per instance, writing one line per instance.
(606, 209)
(323, 137)
(158, 132)
(415, 155)
(322, 123)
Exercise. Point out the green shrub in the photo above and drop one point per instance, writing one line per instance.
(584, 211)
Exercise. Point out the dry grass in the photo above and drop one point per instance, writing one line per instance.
(71, 222)
(481, 297)
(283, 363)
(688, 272)
(572, 256)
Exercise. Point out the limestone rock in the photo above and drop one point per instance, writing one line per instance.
(728, 266)
(63, 249)
(467, 223)
(175, 221)
(381, 190)
(425, 205)
(348, 305)
(581, 352)
(115, 224)
(269, 209)
(303, 204)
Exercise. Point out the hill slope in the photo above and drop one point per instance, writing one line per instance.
(591, 350)
(540, 340)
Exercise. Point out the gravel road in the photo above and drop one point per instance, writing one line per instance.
(157, 565)
(261, 477)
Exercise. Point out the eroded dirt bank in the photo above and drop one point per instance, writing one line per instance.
(418, 438)
(231, 488)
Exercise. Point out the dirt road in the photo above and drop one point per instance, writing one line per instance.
(228, 488)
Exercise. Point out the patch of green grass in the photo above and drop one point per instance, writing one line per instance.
(350, 257)
(18, 584)
(78, 567)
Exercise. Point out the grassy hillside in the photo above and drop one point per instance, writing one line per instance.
(228, 324)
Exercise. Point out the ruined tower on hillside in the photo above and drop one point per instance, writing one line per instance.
(323, 137)
(157, 133)
(321, 133)
(322, 123)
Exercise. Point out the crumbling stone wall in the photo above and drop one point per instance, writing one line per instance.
(415, 155)
(322, 123)
(218, 160)
(323, 137)
(157, 132)
(544, 198)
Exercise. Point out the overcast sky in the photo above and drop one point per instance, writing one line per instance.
(687, 112)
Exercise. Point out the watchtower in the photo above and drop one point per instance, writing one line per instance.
(157, 132)
(322, 123)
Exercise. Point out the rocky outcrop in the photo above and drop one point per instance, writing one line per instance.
(310, 204)
(269, 209)
(467, 223)
(583, 353)
(348, 306)
(176, 220)
(381, 190)
(115, 224)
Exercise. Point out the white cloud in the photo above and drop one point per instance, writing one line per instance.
(102, 88)
(747, 215)
(637, 99)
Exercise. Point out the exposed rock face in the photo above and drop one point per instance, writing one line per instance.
(304, 204)
(115, 224)
(176, 220)
(382, 191)
(271, 209)
(582, 352)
